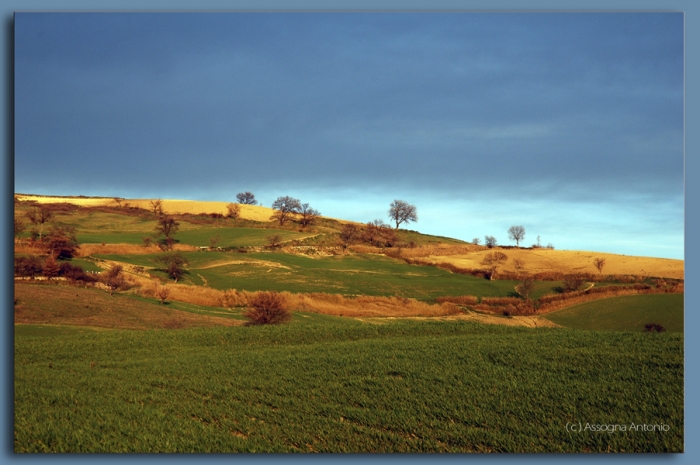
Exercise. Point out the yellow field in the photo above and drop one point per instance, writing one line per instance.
(568, 261)
(170, 206)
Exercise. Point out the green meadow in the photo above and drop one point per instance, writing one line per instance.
(346, 386)
(182, 379)
(626, 313)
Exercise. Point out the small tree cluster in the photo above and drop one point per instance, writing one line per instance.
(495, 258)
(167, 226)
(39, 216)
(572, 282)
(268, 308)
(490, 242)
(246, 198)
(285, 209)
(174, 265)
(114, 279)
(308, 215)
(379, 234)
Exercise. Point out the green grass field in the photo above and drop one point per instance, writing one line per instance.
(350, 274)
(627, 313)
(332, 386)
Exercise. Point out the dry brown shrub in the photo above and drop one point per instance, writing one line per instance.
(124, 249)
(268, 308)
(30, 248)
(460, 300)
(363, 306)
(364, 249)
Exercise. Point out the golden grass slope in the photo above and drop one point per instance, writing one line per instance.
(567, 261)
(170, 206)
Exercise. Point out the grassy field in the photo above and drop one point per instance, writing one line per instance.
(346, 386)
(628, 313)
(350, 274)
(96, 372)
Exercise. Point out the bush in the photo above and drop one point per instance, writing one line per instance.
(654, 328)
(269, 308)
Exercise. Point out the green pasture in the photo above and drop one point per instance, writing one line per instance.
(626, 313)
(342, 274)
(391, 386)
(201, 237)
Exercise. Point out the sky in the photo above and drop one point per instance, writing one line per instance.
(569, 124)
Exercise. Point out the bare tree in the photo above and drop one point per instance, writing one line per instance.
(347, 234)
(19, 227)
(39, 216)
(490, 241)
(156, 206)
(233, 211)
(246, 198)
(167, 226)
(599, 263)
(162, 292)
(213, 241)
(118, 201)
(402, 212)
(113, 278)
(61, 242)
(274, 241)
(50, 268)
(525, 288)
(174, 265)
(285, 208)
(517, 234)
(308, 215)
(476, 241)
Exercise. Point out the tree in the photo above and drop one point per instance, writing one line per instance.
(517, 234)
(19, 227)
(246, 198)
(61, 242)
(156, 206)
(572, 282)
(39, 216)
(274, 241)
(118, 201)
(269, 308)
(233, 211)
(402, 212)
(525, 288)
(174, 265)
(308, 215)
(599, 263)
(51, 268)
(347, 234)
(162, 292)
(285, 208)
(167, 226)
(490, 241)
(476, 241)
(113, 278)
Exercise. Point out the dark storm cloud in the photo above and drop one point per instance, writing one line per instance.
(549, 103)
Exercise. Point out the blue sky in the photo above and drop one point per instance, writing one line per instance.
(569, 124)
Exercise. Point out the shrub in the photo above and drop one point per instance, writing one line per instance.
(268, 308)
(572, 282)
(654, 328)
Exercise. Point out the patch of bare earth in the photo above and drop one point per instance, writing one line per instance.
(68, 305)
